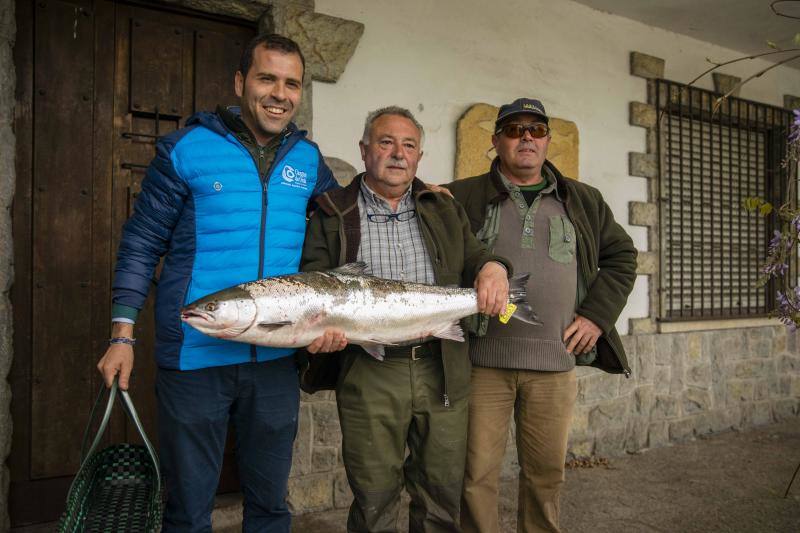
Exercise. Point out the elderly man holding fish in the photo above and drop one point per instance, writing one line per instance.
(406, 394)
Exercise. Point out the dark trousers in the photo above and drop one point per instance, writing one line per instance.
(194, 409)
(384, 407)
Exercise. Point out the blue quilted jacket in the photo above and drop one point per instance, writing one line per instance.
(218, 223)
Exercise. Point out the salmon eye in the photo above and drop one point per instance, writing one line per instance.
(211, 306)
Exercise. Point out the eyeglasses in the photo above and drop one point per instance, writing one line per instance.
(382, 218)
(515, 131)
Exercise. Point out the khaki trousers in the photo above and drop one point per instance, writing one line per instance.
(542, 403)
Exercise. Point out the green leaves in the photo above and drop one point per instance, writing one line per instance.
(772, 45)
(752, 204)
(797, 39)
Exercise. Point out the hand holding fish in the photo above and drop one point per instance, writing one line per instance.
(492, 286)
(333, 340)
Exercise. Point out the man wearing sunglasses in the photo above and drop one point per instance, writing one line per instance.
(582, 265)
(416, 397)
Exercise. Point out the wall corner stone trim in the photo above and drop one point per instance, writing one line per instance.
(646, 66)
(791, 101)
(723, 83)
(647, 263)
(642, 214)
(642, 165)
(643, 115)
(642, 326)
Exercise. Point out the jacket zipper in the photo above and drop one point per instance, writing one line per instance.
(429, 238)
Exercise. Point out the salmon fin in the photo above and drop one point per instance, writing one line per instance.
(518, 294)
(451, 332)
(357, 268)
(272, 326)
(374, 349)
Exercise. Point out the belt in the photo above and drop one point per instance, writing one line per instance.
(414, 351)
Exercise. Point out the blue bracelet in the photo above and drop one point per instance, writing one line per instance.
(122, 340)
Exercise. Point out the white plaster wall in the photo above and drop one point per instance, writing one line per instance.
(439, 57)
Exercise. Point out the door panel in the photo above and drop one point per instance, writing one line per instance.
(98, 81)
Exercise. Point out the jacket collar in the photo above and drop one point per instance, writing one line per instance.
(500, 191)
(344, 200)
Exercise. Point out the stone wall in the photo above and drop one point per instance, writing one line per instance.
(682, 385)
(7, 180)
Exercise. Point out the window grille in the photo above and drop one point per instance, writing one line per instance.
(710, 161)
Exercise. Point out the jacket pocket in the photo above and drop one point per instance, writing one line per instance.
(562, 239)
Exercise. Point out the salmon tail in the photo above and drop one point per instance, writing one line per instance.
(518, 295)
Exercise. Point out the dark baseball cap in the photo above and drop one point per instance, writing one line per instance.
(521, 105)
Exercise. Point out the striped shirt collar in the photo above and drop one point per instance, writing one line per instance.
(374, 201)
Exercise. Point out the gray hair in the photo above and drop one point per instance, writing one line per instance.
(391, 110)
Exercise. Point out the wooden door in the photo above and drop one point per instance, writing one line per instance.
(98, 81)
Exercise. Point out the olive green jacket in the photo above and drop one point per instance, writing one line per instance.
(606, 255)
(333, 237)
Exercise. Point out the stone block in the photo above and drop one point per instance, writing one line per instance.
(794, 389)
(642, 326)
(756, 414)
(683, 429)
(753, 368)
(677, 375)
(695, 400)
(327, 431)
(785, 409)
(580, 422)
(611, 442)
(779, 342)
(724, 419)
(658, 434)
(724, 83)
(762, 390)
(728, 344)
(643, 400)
(580, 449)
(789, 364)
(642, 214)
(597, 386)
(313, 492)
(784, 386)
(662, 379)
(644, 115)
(647, 365)
(646, 263)
(343, 171)
(791, 101)
(741, 390)
(324, 458)
(613, 413)
(665, 407)
(629, 344)
(760, 342)
(342, 495)
(694, 344)
(637, 434)
(642, 165)
(699, 376)
(301, 455)
(646, 66)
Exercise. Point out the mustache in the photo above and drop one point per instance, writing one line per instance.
(396, 162)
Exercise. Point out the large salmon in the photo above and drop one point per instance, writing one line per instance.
(291, 311)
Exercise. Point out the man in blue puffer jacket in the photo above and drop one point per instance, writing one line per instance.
(224, 201)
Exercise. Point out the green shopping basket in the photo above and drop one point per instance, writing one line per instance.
(117, 489)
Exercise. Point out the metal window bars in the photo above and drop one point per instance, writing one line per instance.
(711, 248)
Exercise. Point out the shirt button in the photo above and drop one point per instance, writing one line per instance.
(528, 231)
(567, 238)
(521, 205)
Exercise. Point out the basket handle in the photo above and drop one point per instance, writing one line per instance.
(130, 410)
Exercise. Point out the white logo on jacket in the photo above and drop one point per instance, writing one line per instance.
(294, 177)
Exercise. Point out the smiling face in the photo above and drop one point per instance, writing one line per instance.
(521, 159)
(392, 155)
(270, 92)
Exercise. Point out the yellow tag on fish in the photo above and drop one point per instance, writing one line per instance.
(505, 317)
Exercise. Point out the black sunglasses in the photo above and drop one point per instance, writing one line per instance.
(515, 131)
